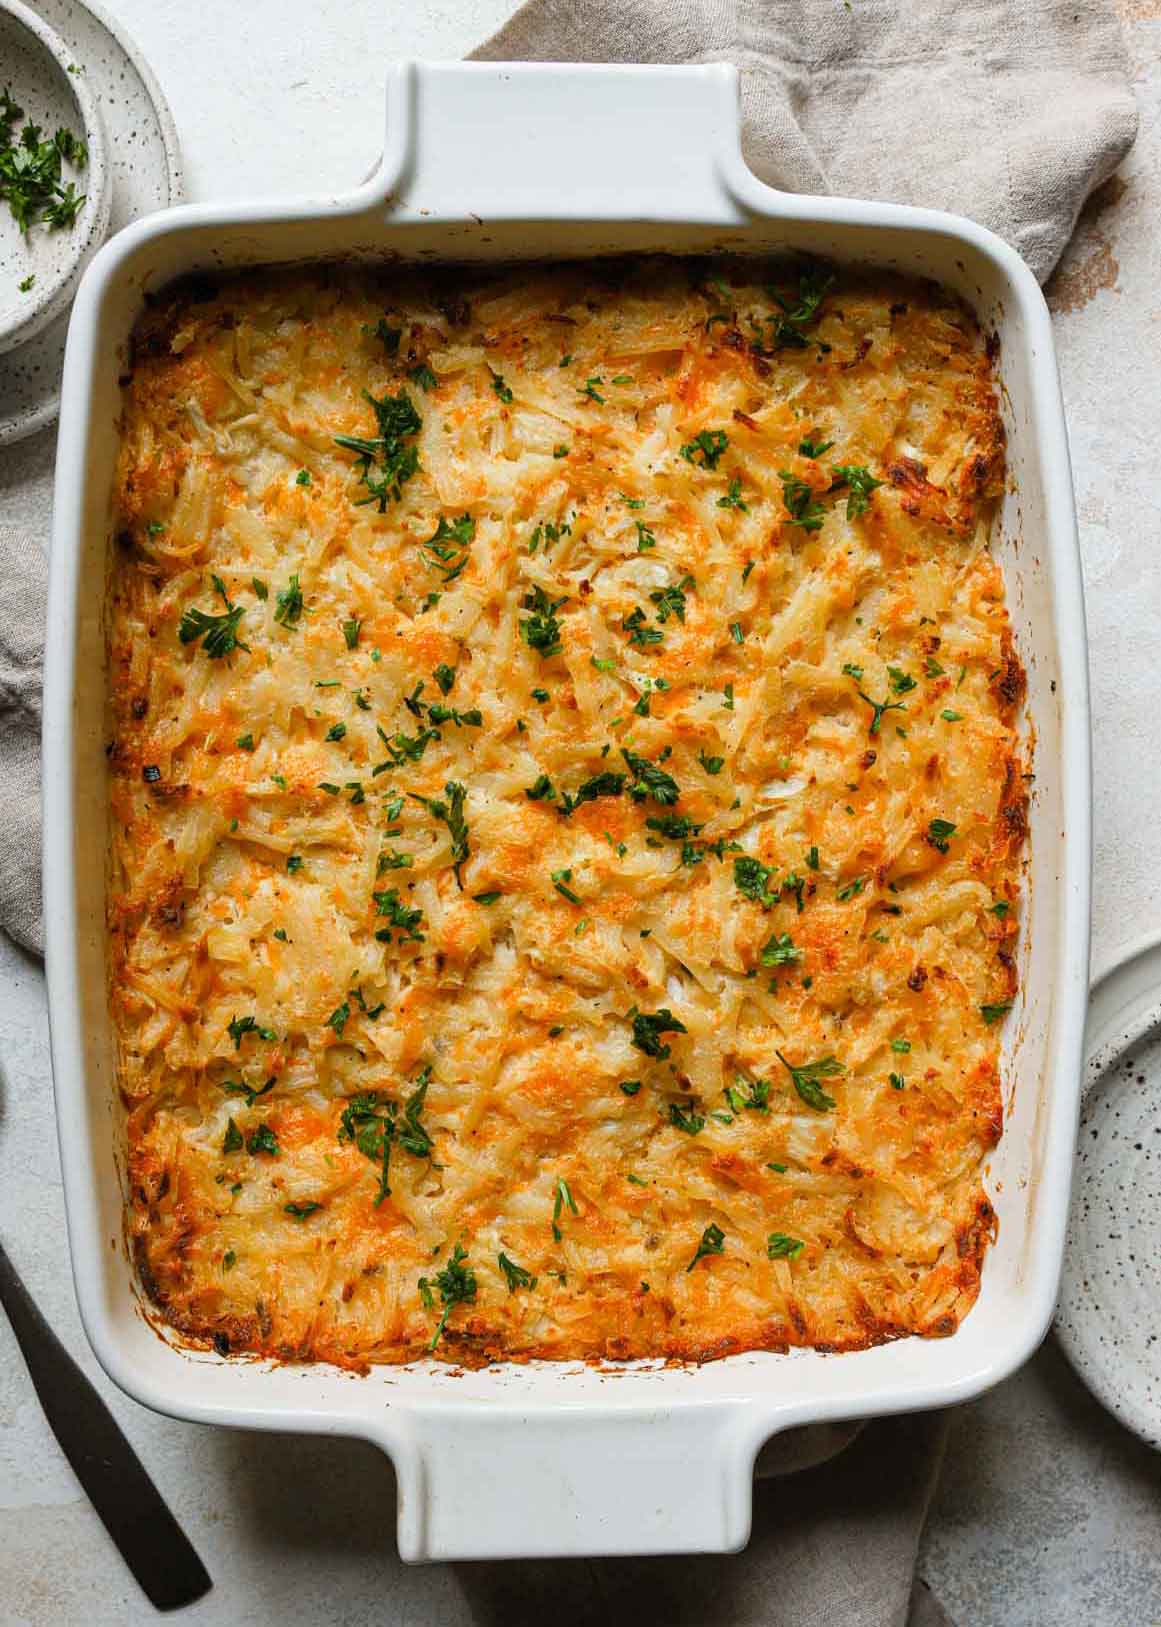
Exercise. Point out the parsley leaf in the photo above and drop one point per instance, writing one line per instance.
(780, 1246)
(218, 634)
(671, 601)
(457, 1286)
(806, 1078)
(289, 609)
(239, 1027)
(713, 1241)
(406, 920)
(995, 1013)
(515, 1275)
(562, 1198)
(938, 833)
(858, 482)
(733, 497)
(706, 448)
(606, 784)
(687, 1121)
(451, 813)
(541, 630)
(649, 780)
(386, 462)
(781, 951)
(501, 388)
(648, 1028)
(752, 879)
(801, 507)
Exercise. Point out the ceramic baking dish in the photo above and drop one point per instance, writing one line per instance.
(495, 162)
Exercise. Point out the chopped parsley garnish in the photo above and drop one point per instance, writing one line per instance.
(541, 630)
(451, 813)
(245, 742)
(239, 1027)
(398, 915)
(445, 677)
(858, 482)
(606, 784)
(852, 671)
(294, 864)
(263, 1139)
(486, 898)
(232, 1140)
(995, 1013)
(606, 664)
(780, 1246)
(630, 1086)
(712, 765)
(423, 376)
(780, 951)
(541, 789)
(590, 389)
(733, 497)
(300, 1211)
(562, 1198)
(788, 331)
(650, 780)
(752, 879)
(813, 449)
(806, 1076)
(801, 507)
(645, 537)
(932, 668)
(473, 718)
(851, 889)
(671, 601)
(901, 1046)
(235, 1087)
(949, 716)
(501, 388)
(338, 1018)
(30, 173)
(218, 634)
(879, 709)
(560, 880)
(749, 1095)
(676, 826)
(737, 632)
(648, 1028)
(336, 731)
(302, 478)
(457, 1286)
(684, 1118)
(560, 451)
(897, 1081)
(713, 1241)
(939, 832)
(812, 859)
(351, 632)
(446, 550)
(515, 1275)
(901, 682)
(1001, 908)
(289, 610)
(639, 634)
(706, 448)
(385, 463)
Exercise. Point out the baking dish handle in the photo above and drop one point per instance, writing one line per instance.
(559, 141)
(503, 1482)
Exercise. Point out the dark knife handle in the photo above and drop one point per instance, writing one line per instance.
(150, 1541)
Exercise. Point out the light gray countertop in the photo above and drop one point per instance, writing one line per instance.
(1048, 1513)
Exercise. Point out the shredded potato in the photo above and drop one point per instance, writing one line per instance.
(566, 811)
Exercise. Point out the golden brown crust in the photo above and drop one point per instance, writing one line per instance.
(822, 669)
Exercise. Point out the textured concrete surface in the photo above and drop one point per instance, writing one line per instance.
(1049, 1514)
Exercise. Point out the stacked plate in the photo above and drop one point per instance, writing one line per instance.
(68, 66)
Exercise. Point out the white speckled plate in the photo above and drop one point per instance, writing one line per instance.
(146, 175)
(1108, 1320)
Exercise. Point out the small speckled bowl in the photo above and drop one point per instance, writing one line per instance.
(39, 269)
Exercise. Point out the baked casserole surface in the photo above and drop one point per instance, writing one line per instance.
(566, 810)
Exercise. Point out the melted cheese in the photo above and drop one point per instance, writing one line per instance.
(327, 896)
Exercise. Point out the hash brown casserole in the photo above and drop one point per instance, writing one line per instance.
(566, 810)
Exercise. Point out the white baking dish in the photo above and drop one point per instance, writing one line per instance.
(487, 162)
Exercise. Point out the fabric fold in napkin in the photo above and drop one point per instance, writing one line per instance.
(1008, 111)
